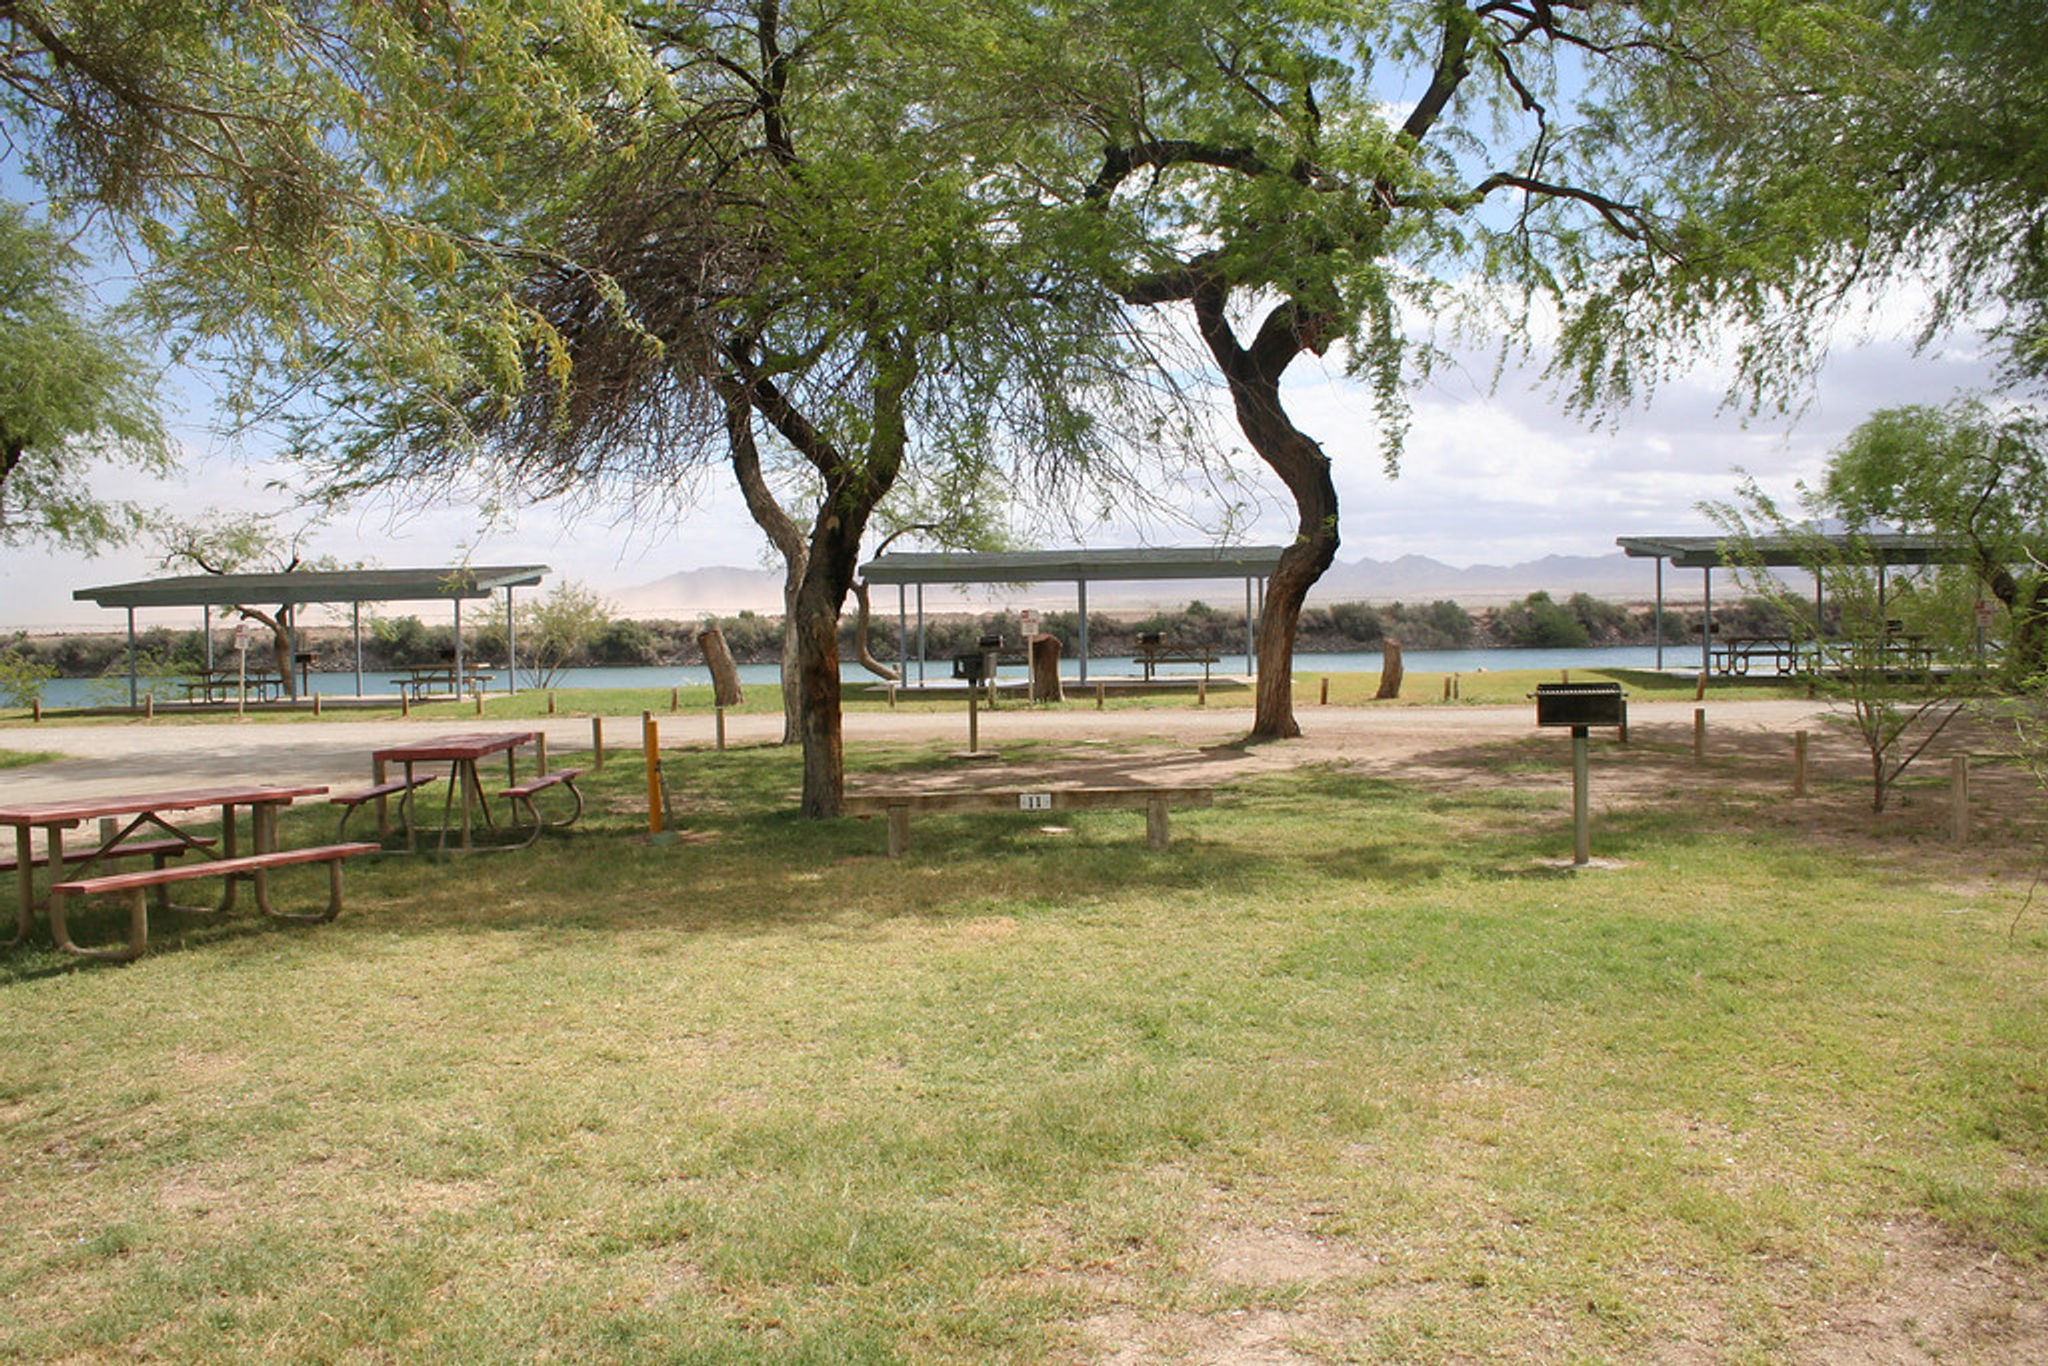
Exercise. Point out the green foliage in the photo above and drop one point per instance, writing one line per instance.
(553, 632)
(1871, 664)
(1539, 622)
(74, 391)
(22, 676)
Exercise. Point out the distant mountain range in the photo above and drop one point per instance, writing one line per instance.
(725, 590)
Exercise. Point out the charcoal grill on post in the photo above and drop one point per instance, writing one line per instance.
(1580, 707)
(975, 667)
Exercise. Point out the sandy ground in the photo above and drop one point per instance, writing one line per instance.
(1191, 744)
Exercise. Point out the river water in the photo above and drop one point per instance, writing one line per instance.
(74, 692)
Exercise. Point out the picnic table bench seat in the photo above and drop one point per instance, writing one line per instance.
(1154, 799)
(154, 849)
(134, 885)
(396, 787)
(521, 796)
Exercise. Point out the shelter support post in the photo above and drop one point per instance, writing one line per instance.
(356, 622)
(458, 644)
(206, 631)
(1659, 624)
(134, 688)
(1081, 598)
(920, 635)
(511, 647)
(1707, 621)
(902, 635)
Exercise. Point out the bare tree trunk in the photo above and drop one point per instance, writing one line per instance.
(1254, 374)
(725, 675)
(860, 636)
(782, 532)
(1390, 670)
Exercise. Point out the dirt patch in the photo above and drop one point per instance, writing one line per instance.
(1936, 1300)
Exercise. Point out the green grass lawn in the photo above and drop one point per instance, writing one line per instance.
(1350, 1071)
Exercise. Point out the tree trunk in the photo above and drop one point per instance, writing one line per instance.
(1043, 652)
(1390, 670)
(782, 532)
(1254, 377)
(725, 675)
(860, 636)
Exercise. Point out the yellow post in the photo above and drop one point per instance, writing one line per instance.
(650, 743)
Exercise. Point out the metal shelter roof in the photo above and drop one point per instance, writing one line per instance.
(301, 586)
(1050, 566)
(1795, 552)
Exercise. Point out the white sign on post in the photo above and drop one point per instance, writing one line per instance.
(1027, 622)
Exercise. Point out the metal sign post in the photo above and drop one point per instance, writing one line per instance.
(242, 633)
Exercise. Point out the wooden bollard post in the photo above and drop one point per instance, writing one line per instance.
(1202, 694)
(892, 704)
(719, 725)
(1457, 687)
(1799, 763)
(479, 701)
(149, 706)
(35, 707)
(1699, 691)
(1447, 687)
(405, 704)
(1959, 799)
(1101, 696)
(596, 743)
(1564, 675)
(540, 749)
(1324, 699)
(316, 704)
(650, 745)
(1699, 733)
(551, 702)
(675, 699)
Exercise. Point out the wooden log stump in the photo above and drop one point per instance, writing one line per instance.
(725, 675)
(1390, 670)
(1045, 668)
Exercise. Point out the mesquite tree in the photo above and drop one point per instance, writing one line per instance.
(1312, 178)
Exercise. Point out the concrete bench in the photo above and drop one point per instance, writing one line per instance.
(1155, 801)
(134, 885)
(397, 787)
(521, 796)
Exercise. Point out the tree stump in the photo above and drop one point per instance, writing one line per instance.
(1390, 670)
(725, 675)
(1045, 668)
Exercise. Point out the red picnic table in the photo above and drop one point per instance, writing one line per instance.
(151, 812)
(461, 752)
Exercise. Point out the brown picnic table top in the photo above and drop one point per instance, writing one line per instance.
(264, 800)
(465, 745)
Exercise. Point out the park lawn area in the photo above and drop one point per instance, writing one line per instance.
(1351, 1072)
(17, 758)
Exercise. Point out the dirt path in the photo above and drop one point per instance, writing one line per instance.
(1189, 744)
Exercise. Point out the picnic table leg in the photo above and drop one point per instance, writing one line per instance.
(25, 885)
(466, 776)
(263, 827)
(138, 930)
(228, 841)
(383, 813)
(1155, 821)
(899, 831)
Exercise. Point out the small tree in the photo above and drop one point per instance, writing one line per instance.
(553, 632)
(1859, 666)
(224, 543)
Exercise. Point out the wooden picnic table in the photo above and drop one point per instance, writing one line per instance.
(151, 813)
(424, 681)
(222, 685)
(462, 753)
(1151, 654)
